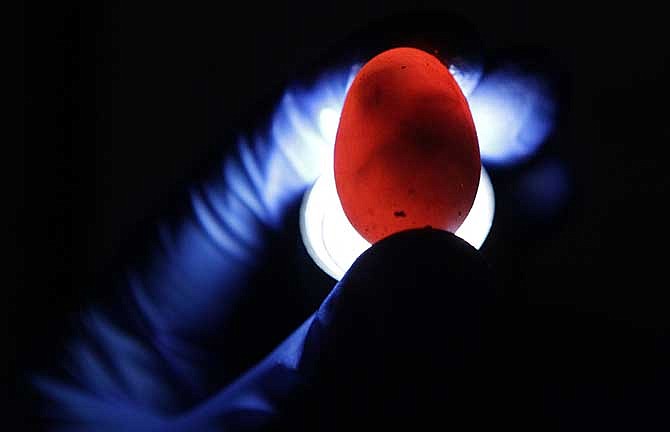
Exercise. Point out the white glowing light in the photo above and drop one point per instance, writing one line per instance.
(329, 120)
(476, 226)
(334, 244)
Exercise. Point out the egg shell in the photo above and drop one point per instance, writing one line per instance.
(406, 152)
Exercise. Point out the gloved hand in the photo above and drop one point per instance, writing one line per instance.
(194, 338)
(166, 356)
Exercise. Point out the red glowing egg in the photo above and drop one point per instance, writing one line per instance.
(406, 153)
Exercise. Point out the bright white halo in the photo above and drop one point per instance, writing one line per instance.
(334, 244)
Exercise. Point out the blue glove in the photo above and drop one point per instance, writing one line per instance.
(164, 347)
(194, 338)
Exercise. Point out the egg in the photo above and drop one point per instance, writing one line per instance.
(406, 151)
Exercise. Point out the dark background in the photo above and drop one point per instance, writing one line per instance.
(124, 105)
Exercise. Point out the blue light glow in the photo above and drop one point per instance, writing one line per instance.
(513, 114)
(467, 76)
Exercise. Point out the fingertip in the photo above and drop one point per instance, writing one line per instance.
(423, 274)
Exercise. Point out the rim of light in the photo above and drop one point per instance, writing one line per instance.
(334, 244)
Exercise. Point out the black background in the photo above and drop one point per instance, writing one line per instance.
(124, 105)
